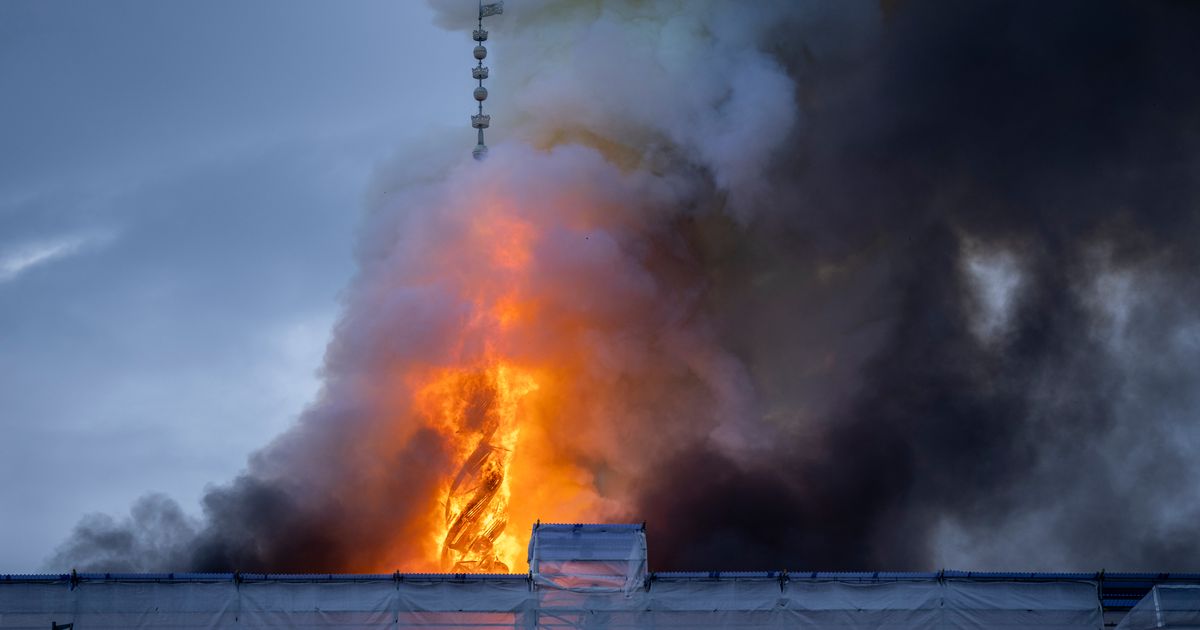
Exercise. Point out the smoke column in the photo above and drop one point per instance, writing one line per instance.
(827, 285)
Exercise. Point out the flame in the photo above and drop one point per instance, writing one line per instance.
(477, 412)
(482, 402)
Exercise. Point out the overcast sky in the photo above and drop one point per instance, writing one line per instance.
(180, 184)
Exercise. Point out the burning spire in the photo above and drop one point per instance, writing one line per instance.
(478, 411)
(481, 121)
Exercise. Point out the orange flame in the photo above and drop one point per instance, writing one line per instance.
(485, 404)
(476, 411)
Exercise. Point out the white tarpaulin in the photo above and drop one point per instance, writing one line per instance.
(588, 558)
(1165, 606)
(517, 602)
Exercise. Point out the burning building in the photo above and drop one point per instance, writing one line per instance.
(854, 285)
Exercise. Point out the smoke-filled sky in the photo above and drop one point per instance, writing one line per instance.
(815, 285)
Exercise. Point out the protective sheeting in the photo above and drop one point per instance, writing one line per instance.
(588, 558)
(1165, 606)
(516, 602)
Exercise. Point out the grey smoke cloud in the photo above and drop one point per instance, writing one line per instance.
(767, 244)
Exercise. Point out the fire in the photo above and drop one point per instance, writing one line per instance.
(481, 399)
(492, 397)
(477, 412)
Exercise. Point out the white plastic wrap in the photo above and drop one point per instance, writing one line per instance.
(1165, 606)
(517, 603)
(588, 558)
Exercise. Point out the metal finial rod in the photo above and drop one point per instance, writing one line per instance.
(481, 121)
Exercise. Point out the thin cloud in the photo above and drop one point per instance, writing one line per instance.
(22, 258)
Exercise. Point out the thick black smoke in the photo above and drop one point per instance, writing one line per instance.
(1064, 138)
(855, 285)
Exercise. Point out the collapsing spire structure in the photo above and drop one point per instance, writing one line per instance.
(481, 121)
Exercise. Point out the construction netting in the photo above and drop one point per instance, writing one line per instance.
(518, 602)
(1165, 606)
